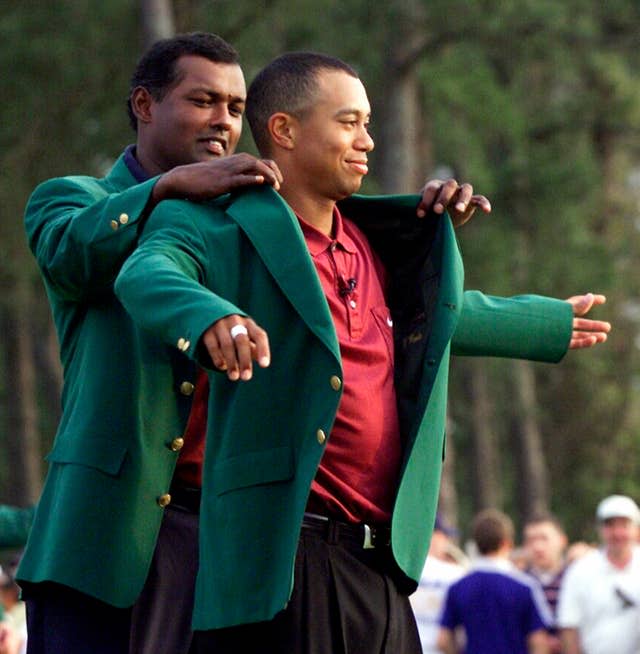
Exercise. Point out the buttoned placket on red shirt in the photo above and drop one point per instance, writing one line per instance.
(346, 287)
(357, 476)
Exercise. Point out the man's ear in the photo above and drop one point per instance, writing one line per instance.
(141, 101)
(282, 130)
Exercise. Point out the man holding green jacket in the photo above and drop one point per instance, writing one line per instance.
(323, 463)
(105, 530)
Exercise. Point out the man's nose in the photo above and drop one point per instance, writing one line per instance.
(365, 142)
(220, 118)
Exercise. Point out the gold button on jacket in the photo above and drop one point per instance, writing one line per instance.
(187, 388)
(164, 500)
(336, 382)
(321, 436)
(177, 444)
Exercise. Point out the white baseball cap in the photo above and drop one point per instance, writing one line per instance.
(618, 506)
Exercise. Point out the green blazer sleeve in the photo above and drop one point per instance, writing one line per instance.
(15, 524)
(82, 229)
(522, 327)
(162, 284)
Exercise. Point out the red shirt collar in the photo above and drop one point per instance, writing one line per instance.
(317, 242)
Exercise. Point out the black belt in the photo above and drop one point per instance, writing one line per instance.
(186, 498)
(358, 535)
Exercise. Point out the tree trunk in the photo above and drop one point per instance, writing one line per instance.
(486, 459)
(532, 486)
(402, 148)
(47, 363)
(157, 21)
(448, 501)
(400, 167)
(22, 444)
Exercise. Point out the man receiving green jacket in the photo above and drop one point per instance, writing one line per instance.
(294, 462)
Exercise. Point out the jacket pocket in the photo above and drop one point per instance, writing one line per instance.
(254, 468)
(100, 453)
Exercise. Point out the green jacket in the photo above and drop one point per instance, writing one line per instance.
(15, 523)
(97, 521)
(198, 263)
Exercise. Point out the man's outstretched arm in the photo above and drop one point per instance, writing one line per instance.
(530, 327)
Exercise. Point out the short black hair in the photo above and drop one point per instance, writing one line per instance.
(543, 518)
(156, 70)
(287, 84)
(491, 528)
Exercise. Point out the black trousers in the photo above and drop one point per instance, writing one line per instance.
(344, 601)
(161, 619)
(61, 620)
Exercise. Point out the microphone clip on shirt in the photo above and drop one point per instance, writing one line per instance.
(346, 286)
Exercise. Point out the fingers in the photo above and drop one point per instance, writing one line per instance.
(587, 333)
(265, 170)
(462, 197)
(580, 340)
(429, 193)
(438, 196)
(583, 303)
(585, 325)
(233, 343)
(245, 170)
(274, 166)
(481, 202)
(269, 172)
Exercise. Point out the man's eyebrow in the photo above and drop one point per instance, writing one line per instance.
(352, 112)
(217, 95)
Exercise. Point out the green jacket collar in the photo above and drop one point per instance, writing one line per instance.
(269, 223)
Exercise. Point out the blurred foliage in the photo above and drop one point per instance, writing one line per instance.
(534, 101)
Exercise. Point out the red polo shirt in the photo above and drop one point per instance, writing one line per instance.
(357, 477)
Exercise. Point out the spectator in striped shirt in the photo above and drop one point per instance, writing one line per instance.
(545, 544)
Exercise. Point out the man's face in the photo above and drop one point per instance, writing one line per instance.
(544, 544)
(332, 138)
(201, 117)
(619, 534)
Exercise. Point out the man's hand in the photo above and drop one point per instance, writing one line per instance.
(587, 333)
(233, 343)
(459, 201)
(209, 179)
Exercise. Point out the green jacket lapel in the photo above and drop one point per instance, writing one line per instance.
(269, 223)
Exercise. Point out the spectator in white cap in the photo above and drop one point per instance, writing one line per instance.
(599, 608)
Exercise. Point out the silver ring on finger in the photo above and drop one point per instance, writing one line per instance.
(236, 330)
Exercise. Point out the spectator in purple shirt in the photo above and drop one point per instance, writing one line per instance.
(500, 609)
